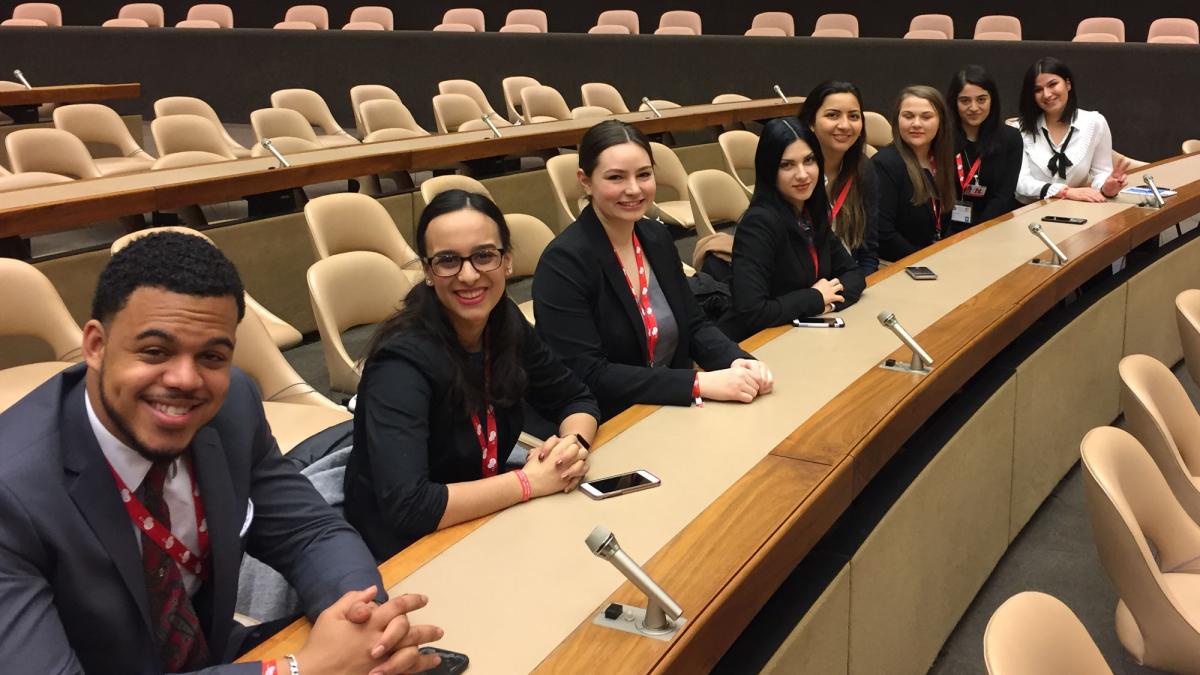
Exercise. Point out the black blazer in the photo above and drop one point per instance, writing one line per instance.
(72, 589)
(903, 227)
(867, 255)
(773, 272)
(998, 172)
(411, 439)
(587, 315)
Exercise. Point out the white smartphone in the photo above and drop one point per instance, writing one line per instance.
(820, 322)
(603, 488)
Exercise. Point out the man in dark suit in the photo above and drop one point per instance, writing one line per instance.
(131, 485)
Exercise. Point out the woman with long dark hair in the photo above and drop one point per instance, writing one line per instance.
(987, 158)
(1068, 151)
(611, 299)
(440, 402)
(916, 174)
(834, 111)
(787, 261)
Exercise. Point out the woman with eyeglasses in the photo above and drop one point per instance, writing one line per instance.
(612, 301)
(988, 152)
(440, 401)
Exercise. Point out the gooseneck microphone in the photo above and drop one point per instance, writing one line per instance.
(487, 119)
(21, 78)
(661, 609)
(1148, 181)
(1060, 258)
(648, 104)
(921, 361)
(779, 93)
(266, 143)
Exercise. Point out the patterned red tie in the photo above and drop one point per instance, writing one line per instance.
(180, 637)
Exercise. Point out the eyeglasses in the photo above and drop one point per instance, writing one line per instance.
(450, 264)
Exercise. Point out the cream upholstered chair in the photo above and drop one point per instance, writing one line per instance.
(846, 22)
(467, 88)
(1167, 30)
(590, 112)
(439, 184)
(781, 20)
(336, 287)
(276, 123)
(512, 86)
(998, 23)
(681, 18)
(360, 94)
(282, 333)
(21, 181)
(221, 14)
(1161, 417)
(1189, 146)
(188, 133)
(603, 95)
(180, 160)
(362, 25)
(669, 172)
(660, 103)
(41, 11)
(150, 12)
(1102, 24)
(339, 223)
(24, 23)
(1094, 37)
(519, 28)
(125, 23)
(1036, 634)
(1150, 550)
(737, 149)
(878, 131)
(295, 25)
(540, 103)
(569, 197)
(286, 145)
(100, 124)
(674, 30)
(316, 113)
(608, 30)
(1187, 318)
(626, 18)
(528, 17)
(188, 105)
(454, 28)
(379, 114)
(317, 15)
(925, 34)
(50, 151)
(730, 98)
(941, 23)
(198, 23)
(16, 382)
(465, 15)
(833, 33)
(452, 111)
(258, 355)
(715, 197)
(31, 306)
(374, 14)
(765, 31)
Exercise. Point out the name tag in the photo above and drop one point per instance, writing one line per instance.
(974, 190)
(961, 213)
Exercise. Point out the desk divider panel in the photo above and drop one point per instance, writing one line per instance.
(1150, 312)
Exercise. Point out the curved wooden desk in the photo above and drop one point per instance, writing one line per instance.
(748, 490)
(22, 104)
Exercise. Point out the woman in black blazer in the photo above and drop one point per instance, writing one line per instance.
(440, 402)
(611, 300)
(916, 175)
(988, 152)
(787, 262)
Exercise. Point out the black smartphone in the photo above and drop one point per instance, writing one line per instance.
(1064, 219)
(452, 663)
(820, 322)
(921, 273)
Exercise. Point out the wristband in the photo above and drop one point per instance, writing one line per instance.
(696, 400)
(295, 667)
(526, 488)
(270, 667)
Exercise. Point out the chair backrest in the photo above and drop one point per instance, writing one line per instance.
(43, 11)
(1161, 417)
(1187, 318)
(520, 28)
(180, 160)
(374, 14)
(765, 31)
(1171, 40)
(362, 93)
(780, 20)
(363, 25)
(439, 184)
(1095, 37)
(258, 355)
(847, 22)
(381, 114)
(603, 95)
(1102, 24)
(21, 181)
(669, 171)
(273, 123)
(198, 23)
(295, 25)
(590, 112)
(659, 103)
(530, 237)
(314, 14)
(96, 123)
(125, 23)
(1190, 145)
(221, 14)
(30, 306)
(608, 29)
(150, 12)
(564, 182)
(451, 111)
(51, 151)
(730, 98)
(188, 133)
(469, 88)
(25, 23)
(620, 17)
(335, 286)
(512, 86)
(469, 16)
(350, 221)
(540, 101)
(715, 197)
(737, 148)
(311, 106)
(1036, 634)
(925, 34)
(681, 18)
(528, 17)
(998, 23)
(188, 105)
(1177, 27)
(877, 128)
(674, 30)
(942, 23)
(285, 145)
(1143, 536)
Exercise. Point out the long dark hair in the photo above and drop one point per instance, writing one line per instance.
(1029, 109)
(988, 140)
(851, 224)
(604, 136)
(777, 135)
(942, 148)
(424, 313)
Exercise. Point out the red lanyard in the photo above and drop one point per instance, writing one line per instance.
(934, 203)
(841, 199)
(958, 159)
(808, 236)
(160, 535)
(643, 300)
(487, 444)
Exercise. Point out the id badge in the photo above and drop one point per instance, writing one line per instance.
(961, 213)
(974, 189)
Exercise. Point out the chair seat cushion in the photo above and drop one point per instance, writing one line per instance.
(119, 166)
(293, 423)
(678, 212)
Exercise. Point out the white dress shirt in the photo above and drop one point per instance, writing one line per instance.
(1090, 152)
(177, 490)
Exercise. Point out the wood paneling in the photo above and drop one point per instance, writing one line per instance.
(70, 93)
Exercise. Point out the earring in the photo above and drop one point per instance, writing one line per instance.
(428, 281)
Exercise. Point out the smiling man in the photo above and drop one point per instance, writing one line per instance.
(131, 485)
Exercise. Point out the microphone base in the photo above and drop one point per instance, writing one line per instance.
(915, 367)
(1054, 262)
(632, 621)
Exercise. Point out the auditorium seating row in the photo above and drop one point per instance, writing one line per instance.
(675, 22)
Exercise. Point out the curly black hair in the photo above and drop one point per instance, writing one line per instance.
(173, 261)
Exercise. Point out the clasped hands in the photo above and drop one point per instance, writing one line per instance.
(744, 380)
(557, 465)
(357, 636)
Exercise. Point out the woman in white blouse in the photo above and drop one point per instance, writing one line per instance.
(1068, 152)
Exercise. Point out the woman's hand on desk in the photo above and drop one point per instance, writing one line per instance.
(759, 371)
(557, 466)
(1116, 180)
(1082, 194)
(831, 291)
(732, 384)
(354, 635)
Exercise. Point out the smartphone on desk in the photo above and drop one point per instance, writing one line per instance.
(452, 663)
(1064, 219)
(921, 273)
(603, 488)
(820, 322)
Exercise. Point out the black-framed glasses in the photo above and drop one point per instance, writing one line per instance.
(450, 264)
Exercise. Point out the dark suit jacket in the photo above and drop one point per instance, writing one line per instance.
(773, 272)
(587, 315)
(998, 172)
(72, 591)
(903, 227)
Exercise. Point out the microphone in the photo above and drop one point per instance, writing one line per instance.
(779, 93)
(1148, 180)
(21, 78)
(648, 104)
(487, 119)
(1060, 258)
(266, 143)
(661, 609)
(921, 361)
